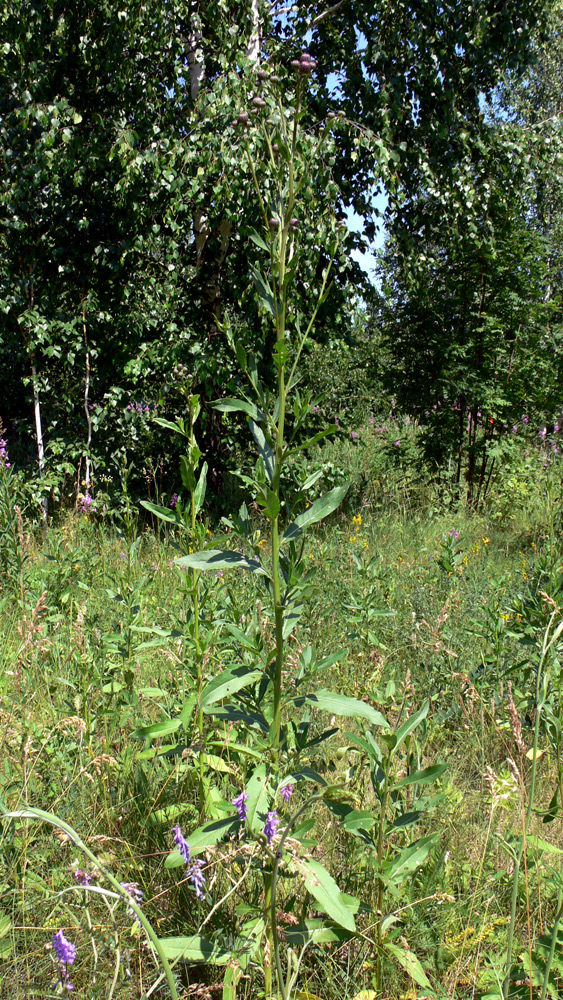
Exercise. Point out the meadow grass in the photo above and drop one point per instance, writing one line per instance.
(421, 598)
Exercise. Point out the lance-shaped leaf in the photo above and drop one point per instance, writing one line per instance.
(258, 241)
(195, 949)
(209, 559)
(229, 405)
(264, 449)
(227, 683)
(199, 493)
(410, 963)
(322, 886)
(257, 804)
(410, 725)
(318, 510)
(424, 777)
(264, 290)
(163, 513)
(315, 931)
(340, 704)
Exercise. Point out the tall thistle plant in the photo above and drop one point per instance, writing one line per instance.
(262, 698)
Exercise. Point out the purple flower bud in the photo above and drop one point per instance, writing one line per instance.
(181, 844)
(243, 118)
(240, 805)
(286, 792)
(262, 74)
(258, 102)
(197, 879)
(173, 501)
(272, 823)
(273, 222)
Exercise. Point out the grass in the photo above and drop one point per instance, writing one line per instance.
(95, 646)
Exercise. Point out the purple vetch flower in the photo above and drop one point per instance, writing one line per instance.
(66, 954)
(240, 805)
(354, 435)
(272, 823)
(454, 533)
(398, 443)
(525, 419)
(132, 889)
(181, 844)
(515, 429)
(286, 792)
(83, 878)
(173, 501)
(197, 878)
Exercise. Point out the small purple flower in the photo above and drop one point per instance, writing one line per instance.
(542, 433)
(272, 823)
(555, 430)
(371, 421)
(66, 954)
(525, 419)
(83, 878)
(181, 844)
(219, 575)
(87, 504)
(286, 792)
(173, 501)
(315, 409)
(398, 443)
(454, 533)
(123, 555)
(132, 889)
(64, 949)
(4, 454)
(354, 435)
(515, 429)
(240, 805)
(197, 878)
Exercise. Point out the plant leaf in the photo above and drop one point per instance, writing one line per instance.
(340, 704)
(318, 510)
(227, 683)
(324, 889)
(209, 559)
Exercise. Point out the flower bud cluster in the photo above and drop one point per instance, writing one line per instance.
(304, 65)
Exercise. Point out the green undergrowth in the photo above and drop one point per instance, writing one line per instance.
(410, 602)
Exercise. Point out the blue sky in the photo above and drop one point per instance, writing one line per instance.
(356, 225)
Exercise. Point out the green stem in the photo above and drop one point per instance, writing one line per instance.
(518, 859)
(195, 589)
